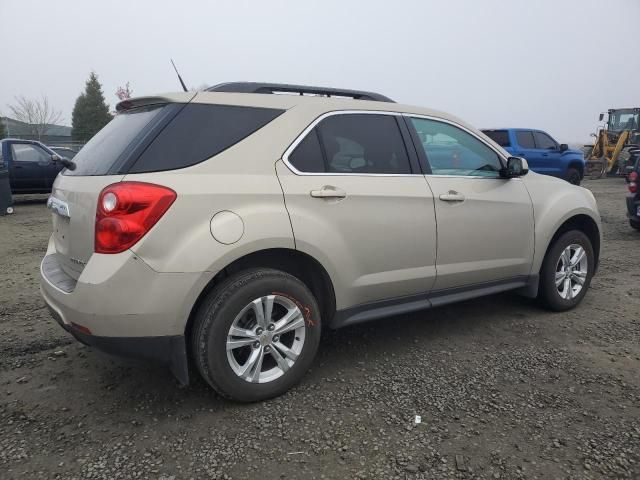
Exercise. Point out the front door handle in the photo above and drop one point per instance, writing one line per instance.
(452, 196)
(328, 191)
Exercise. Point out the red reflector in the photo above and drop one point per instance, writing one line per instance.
(126, 212)
(81, 328)
(633, 177)
(633, 187)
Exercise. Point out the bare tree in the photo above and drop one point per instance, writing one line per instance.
(38, 114)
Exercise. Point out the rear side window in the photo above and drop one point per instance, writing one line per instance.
(353, 143)
(199, 132)
(501, 137)
(307, 156)
(525, 139)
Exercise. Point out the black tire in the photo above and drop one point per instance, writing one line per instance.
(216, 315)
(573, 176)
(634, 224)
(547, 292)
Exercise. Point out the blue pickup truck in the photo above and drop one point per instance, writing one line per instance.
(32, 166)
(543, 154)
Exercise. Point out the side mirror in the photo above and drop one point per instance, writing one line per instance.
(601, 117)
(564, 147)
(516, 167)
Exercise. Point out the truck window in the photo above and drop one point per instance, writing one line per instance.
(501, 137)
(525, 139)
(544, 141)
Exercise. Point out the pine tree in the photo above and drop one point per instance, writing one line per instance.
(90, 112)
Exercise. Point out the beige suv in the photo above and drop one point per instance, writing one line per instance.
(224, 229)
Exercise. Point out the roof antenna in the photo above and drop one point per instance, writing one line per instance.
(184, 87)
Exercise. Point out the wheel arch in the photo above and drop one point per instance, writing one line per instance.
(301, 265)
(583, 223)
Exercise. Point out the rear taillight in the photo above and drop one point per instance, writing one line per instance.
(633, 182)
(126, 212)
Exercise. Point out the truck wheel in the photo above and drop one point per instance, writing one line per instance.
(634, 224)
(566, 271)
(573, 176)
(256, 334)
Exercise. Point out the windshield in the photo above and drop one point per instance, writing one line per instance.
(623, 120)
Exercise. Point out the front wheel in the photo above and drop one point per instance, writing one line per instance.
(566, 271)
(573, 176)
(256, 335)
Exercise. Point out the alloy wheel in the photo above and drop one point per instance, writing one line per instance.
(571, 271)
(265, 339)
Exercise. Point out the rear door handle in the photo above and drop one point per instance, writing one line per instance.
(328, 191)
(452, 196)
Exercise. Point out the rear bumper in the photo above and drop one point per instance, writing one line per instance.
(167, 350)
(121, 306)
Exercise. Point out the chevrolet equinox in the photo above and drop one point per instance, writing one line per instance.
(224, 229)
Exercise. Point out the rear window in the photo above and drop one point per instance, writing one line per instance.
(104, 149)
(199, 132)
(501, 137)
(130, 143)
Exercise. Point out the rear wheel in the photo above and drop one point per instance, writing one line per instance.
(634, 224)
(256, 335)
(566, 271)
(573, 176)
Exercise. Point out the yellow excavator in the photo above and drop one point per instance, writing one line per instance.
(615, 143)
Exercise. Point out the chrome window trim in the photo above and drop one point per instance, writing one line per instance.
(312, 125)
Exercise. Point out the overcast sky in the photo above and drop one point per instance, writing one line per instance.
(549, 64)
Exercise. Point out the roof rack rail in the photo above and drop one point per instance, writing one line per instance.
(256, 87)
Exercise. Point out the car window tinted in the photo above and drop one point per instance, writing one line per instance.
(105, 148)
(452, 151)
(23, 152)
(501, 137)
(544, 141)
(200, 132)
(363, 143)
(525, 139)
(307, 156)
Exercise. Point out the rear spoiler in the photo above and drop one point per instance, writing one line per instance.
(130, 103)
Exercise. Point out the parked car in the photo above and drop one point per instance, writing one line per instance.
(32, 166)
(65, 152)
(226, 228)
(633, 199)
(544, 155)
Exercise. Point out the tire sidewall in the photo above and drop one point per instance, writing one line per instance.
(217, 319)
(548, 286)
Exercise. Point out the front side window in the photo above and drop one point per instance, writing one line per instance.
(544, 141)
(452, 151)
(355, 144)
(23, 152)
(525, 139)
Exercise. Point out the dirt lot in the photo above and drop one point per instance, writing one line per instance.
(505, 389)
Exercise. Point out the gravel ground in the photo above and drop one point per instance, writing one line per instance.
(504, 388)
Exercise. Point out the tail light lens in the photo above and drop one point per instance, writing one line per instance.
(126, 212)
(633, 182)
